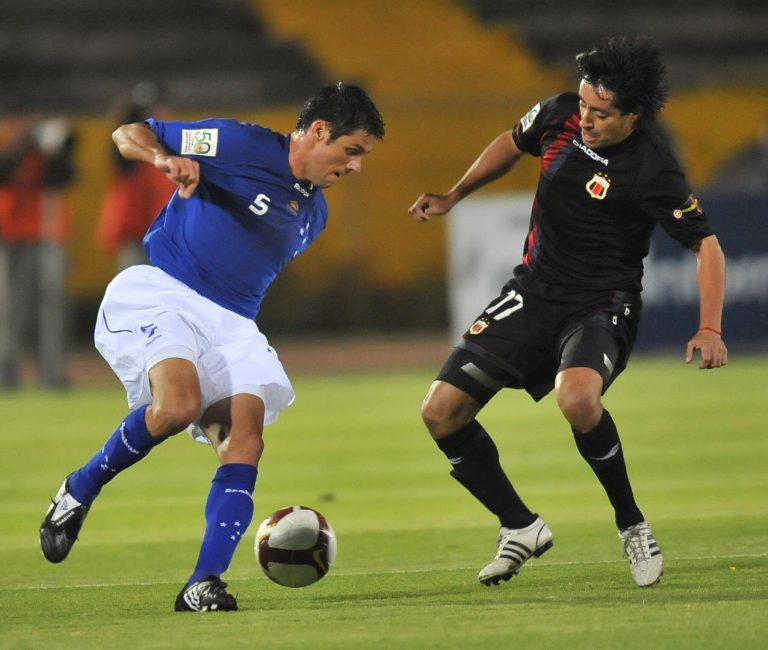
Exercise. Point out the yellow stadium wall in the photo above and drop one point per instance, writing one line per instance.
(446, 86)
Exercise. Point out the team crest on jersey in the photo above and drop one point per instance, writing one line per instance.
(689, 208)
(529, 117)
(598, 186)
(199, 142)
(478, 326)
(293, 206)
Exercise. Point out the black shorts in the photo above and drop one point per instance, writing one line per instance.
(523, 340)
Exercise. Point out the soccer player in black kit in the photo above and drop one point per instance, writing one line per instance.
(568, 317)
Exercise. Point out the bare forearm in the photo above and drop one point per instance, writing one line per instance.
(711, 280)
(138, 142)
(710, 272)
(495, 161)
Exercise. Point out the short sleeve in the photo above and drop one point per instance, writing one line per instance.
(528, 132)
(202, 140)
(669, 201)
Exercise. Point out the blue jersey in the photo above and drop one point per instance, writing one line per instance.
(248, 217)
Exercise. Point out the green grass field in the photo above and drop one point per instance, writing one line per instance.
(411, 541)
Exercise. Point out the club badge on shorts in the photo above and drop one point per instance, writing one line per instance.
(597, 187)
(478, 326)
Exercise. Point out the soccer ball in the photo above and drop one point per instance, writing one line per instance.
(295, 546)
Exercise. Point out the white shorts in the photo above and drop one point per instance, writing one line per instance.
(147, 316)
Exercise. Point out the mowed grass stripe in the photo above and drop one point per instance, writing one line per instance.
(411, 541)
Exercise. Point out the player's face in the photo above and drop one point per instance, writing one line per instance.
(331, 160)
(602, 124)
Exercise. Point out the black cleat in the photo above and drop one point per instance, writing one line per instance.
(206, 595)
(62, 523)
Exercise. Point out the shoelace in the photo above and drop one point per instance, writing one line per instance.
(508, 544)
(637, 545)
(215, 589)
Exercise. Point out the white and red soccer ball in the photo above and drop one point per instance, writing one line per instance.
(295, 546)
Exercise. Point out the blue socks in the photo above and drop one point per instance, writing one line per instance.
(127, 445)
(228, 513)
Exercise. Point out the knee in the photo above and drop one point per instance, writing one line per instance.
(167, 417)
(581, 408)
(432, 416)
(443, 416)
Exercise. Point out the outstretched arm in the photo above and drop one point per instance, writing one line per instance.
(497, 159)
(710, 272)
(137, 141)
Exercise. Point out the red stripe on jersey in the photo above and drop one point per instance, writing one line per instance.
(564, 138)
(533, 231)
(530, 242)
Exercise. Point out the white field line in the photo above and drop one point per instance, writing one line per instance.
(100, 585)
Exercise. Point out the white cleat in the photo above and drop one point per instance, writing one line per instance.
(515, 547)
(645, 559)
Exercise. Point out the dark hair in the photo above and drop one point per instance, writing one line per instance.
(346, 108)
(630, 67)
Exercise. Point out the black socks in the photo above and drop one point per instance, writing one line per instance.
(475, 461)
(601, 448)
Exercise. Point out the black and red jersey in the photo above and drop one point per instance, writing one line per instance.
(594, 210)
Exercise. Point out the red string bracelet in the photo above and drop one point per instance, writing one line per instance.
(710, 329)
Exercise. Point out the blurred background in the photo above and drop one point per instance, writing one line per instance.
(447, 75)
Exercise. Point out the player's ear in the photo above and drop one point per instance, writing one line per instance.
(320, 130)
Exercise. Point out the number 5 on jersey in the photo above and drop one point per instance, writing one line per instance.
(260, 204)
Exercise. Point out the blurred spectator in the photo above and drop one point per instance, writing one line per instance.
(747, 169)
(36, 165)
(136, 193)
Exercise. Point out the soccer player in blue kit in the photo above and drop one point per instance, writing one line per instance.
(181, 334)
(568, 317)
